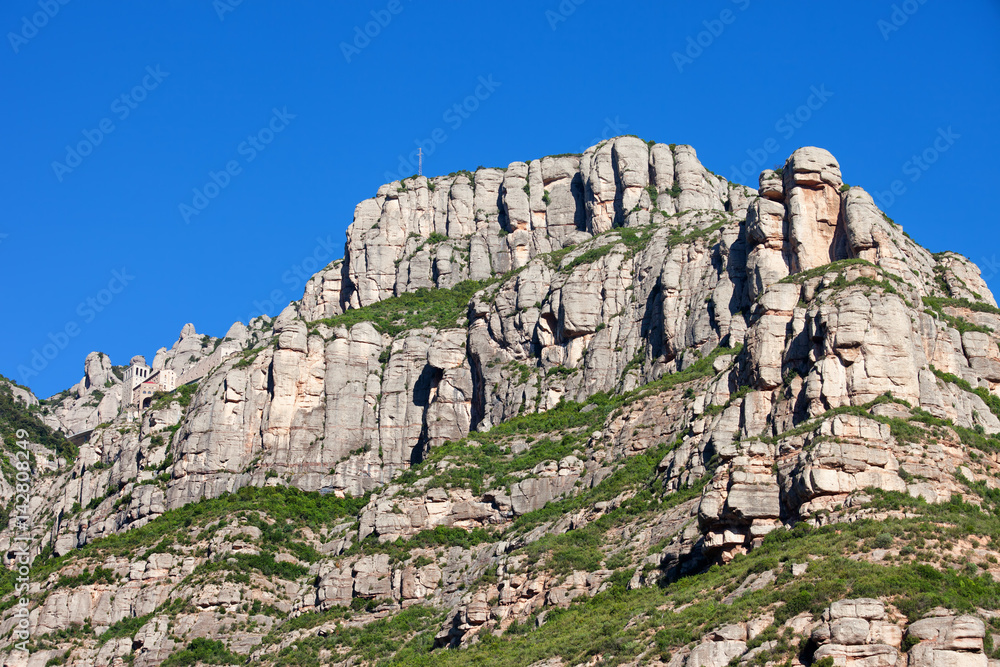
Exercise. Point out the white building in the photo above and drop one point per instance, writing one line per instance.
(135, 374)
(141, 383)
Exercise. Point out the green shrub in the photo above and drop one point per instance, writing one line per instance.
(204, 651)
(992, 402)
(439, 308)
(127, 627)
(286, 506)
(87, 578)
(883, 541)
(263, 562)
(15, 416)
(183, 395)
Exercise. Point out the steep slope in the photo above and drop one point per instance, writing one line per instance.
(553, 395)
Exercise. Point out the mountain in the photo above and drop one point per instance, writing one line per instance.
(592, 409)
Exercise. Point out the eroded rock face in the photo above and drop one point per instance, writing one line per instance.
(858, 632)
(312, 407)
(815, 233)
(862, 633)
(608, 271)
(683, 261)
(321, 297)
(94, 400)
(947, 640)
(391, 518)
(496, 220)
(602, 272)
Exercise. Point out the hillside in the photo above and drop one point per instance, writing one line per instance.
(602, 409)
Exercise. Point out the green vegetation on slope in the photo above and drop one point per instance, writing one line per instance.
(183, 395)
(439, 536)
(439, 308)
(407, 633)
(634, 240)
(819, 271)
(636, 472)
(288, 507)
(620, 624)
(937, 303)
(203, 651)
(936, 306)
(484, 467)
(14, 415)
(991, 401)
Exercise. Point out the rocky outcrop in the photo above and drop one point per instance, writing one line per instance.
(858, 632)
(193, 356)
(436, 232)
(816, 235)
(436, 387)
(853, 633)
(94, 400)
(627, 263)
(391, 518)
(942, 641)
(782, 352)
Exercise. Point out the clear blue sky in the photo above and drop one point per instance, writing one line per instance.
(563, 76)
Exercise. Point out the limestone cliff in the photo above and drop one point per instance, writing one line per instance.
(504, 354)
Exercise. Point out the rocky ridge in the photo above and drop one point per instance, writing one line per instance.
(499, 345)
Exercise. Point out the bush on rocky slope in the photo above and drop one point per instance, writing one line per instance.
(439, 308)
(15, 416)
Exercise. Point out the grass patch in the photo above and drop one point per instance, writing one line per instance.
(285, 505)
(820, 271)
(935, 307)
(202, 651)
(15, 416)
(440, 536)
(183, 395)
(438, 308)
(937, 303)
(620, 624)
(991, 401)
(404, 635)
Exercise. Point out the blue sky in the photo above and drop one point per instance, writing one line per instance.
(163, 97)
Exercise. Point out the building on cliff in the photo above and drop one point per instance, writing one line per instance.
(141, 383)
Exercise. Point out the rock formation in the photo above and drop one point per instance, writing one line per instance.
(497, 344)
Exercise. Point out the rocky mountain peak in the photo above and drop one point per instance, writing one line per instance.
(573, 377)
(97, 371)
